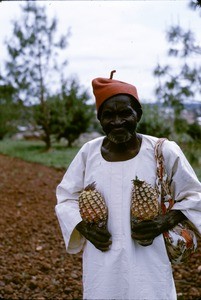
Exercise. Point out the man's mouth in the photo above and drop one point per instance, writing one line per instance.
(118, 129)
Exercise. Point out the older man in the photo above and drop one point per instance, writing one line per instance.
(115, 264)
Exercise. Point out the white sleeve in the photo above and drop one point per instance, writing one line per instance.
(67, 209)
(185, 186)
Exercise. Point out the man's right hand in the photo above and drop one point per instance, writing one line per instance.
(99, 237)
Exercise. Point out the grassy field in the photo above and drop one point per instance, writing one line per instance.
(33, 151)
(60, 156)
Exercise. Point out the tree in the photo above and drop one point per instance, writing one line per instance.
(10, 111)
(152, 122)
(33, 66)
(181, 83)
(175, 87)
(70, 115)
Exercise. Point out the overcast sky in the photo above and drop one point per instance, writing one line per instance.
(128, 36)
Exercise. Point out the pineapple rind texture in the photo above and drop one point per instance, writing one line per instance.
(144, 202)
(92, 206)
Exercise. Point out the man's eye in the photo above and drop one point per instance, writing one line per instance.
(106, 114)
(125, 113)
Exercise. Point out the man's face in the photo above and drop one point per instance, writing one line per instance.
(118, 119)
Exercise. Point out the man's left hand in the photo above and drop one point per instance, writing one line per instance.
(148, 230)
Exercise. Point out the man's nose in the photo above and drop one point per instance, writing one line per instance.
(117, 121)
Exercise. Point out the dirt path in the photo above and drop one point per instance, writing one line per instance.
(33, 260)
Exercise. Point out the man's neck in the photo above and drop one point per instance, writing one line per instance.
(121, 151)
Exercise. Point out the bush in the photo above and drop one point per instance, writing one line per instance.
(194, 130)
(154, 121)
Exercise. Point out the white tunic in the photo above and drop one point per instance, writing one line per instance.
(127, 270)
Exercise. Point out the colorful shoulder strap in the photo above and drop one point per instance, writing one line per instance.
(162, 182)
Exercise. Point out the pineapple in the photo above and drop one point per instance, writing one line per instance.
(144, 203)
(93, 209)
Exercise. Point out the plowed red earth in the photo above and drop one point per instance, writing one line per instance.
(34, 263)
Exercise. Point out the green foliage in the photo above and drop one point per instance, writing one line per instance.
(180, 125)
(95, 125)
(176, 86)
(181, 84)
(192, 150)
(33, 71)
(33, 59)
(9, 111)
(154, 121)
(33, 51)
(194, 130)
(69, 113)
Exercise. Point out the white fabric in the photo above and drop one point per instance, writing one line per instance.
(127, 270)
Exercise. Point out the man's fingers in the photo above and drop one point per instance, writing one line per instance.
(103, 246)
(145, 243)
(143, 235)
(99, 237)
(141, 226)
(103, 232)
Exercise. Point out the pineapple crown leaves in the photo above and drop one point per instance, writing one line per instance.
(90, 187)
(137, 181)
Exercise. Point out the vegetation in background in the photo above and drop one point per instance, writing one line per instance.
(33, 51)
(33, 151)
(10, 111)
(155, 121)
(70, 114)
(27, 98)
(34, 73)
(180, 84)
(60, 156)
(177, 86)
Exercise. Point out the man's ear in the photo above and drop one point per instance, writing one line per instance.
(139, 114)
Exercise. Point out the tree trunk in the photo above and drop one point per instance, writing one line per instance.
(44, 109)
(47, 141)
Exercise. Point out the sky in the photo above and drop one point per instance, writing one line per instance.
(126, 36)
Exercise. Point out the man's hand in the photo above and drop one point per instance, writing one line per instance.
(148, 230)
(99, 237)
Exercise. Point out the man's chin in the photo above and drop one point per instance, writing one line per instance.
(118, 139)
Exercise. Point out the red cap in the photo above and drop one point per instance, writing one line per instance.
(104, 88)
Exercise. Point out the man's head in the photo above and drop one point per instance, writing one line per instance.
(118, 118)
(104, 89)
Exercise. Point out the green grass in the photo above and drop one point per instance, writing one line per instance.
(60, 156)
(34, 151)
(193, 153)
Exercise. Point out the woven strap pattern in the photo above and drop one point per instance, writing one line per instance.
(181, 241)
(162, 183)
